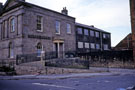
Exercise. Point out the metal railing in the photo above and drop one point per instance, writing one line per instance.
(120, 59)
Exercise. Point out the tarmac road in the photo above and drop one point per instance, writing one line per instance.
(103, 82)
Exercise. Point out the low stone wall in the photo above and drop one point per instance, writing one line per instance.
(68, 63)
(25, 70)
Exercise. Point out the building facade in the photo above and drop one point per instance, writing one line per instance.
(26, 28)
(91, 39)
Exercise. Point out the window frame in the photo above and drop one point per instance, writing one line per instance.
(80, 45)
(106, 47)
(68, 28)
(11, 50)
(92, 34)
(87, 34)
(98, 46)
(79, 30)
(93, 45)
(86, 44)
(57, 27)
(39, 22)
(97, 34)
(39, 49)
(12, 25)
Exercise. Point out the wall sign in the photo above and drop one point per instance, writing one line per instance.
(39, 37)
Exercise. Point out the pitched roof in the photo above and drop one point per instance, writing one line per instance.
(126, 43)
(21, 2)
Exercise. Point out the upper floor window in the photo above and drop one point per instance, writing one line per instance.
(68, 28)
(97, 34)
(106, 36)
(12, 23)
(91, 33)
(57, 27)
(39, 23)
(79, 30)
(80, 44)
(87, 45)
(86, 32)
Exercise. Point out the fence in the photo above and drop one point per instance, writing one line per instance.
(25, 58)
(116, 59)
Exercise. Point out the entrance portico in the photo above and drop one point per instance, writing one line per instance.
(58, 47)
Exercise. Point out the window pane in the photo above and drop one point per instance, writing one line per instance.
(80, 44)
(91, 33)
(12, 53)
(58, 27)
(11, 50)
(106, 47)
(39, 52)
(39, 49)
(68, 28)
(92, 45)
(39, 22)
(12, 25)
(97, 34)
(104, 35)
(86, 32)
(97, 46)
(87, 45)
(79, 30)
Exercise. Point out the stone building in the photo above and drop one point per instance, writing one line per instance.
(91, 39)
(26, 28)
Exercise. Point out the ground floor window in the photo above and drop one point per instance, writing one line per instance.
(87, 45)
(97, 46)
(39, 49)
(80, 44)
(92, 46)
(106, 47)
(11, 50)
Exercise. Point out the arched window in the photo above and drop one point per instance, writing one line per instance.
(39, 49)
(11, 50)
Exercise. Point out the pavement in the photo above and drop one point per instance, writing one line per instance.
(71, 75)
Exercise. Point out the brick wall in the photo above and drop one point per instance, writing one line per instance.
(132, 9)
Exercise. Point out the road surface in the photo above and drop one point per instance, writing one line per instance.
(111, 82)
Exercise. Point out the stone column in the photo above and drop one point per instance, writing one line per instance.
(63, 50)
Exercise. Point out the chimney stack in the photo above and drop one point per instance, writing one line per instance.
(64, 11)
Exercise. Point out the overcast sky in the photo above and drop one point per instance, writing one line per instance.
(110, 15)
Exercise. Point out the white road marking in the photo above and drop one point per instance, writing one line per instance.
(53, 85)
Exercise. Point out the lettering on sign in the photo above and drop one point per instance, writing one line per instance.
(39, 37)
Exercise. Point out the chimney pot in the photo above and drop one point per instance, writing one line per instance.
(64, 11)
